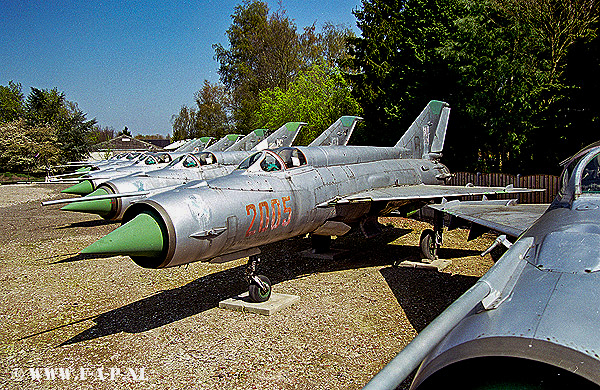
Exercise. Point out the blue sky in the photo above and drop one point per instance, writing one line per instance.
(130, 63)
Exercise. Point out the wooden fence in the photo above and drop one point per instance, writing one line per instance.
(548, 182)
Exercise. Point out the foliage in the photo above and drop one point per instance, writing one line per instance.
(213, 118)
(210, 118)
(41, 129)
(25, 148)
(499, 63)
(11, 102)
(98, 134)
(266, 53)
(318, 96)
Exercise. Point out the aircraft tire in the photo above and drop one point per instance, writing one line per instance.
(255, 292)
(428, 246)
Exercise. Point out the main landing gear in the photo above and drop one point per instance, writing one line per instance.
(259, 287)
(431, 240)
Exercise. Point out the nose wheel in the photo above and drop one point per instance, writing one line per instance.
(259, 288)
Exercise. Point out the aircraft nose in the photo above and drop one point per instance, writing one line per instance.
(101, 207)
(140, 237)
(83, 188)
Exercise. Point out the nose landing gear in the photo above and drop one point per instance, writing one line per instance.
(259, 286)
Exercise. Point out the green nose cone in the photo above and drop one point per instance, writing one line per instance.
(101, 207)
(83, 169)
(83, 188)
(142, 237)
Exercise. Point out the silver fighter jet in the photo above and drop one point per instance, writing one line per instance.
(531, 322)
(286, 192)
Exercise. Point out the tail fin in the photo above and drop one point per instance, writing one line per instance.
(282, 137)
(338, 133)
(195, 145)
(224, 143)
(249, 141)
(425, 137)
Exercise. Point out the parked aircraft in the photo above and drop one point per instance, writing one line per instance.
(113, 197)
(147, 163)
(286, 192)
(531, 322)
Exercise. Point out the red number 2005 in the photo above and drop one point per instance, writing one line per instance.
(269, 213)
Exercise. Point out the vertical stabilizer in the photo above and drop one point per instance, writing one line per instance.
(224, 143)
(338, 133)
(282, 137)
(195, 145)
(249, 141)
(425, 137)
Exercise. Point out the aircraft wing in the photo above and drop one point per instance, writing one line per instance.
(506, 217)
(420, 192)
(494, 214)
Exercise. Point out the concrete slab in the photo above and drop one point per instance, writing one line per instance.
(332, 254)
(276, 303)
(436, 265)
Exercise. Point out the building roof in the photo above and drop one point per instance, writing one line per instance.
(124, 142)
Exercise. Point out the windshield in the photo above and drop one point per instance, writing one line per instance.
(207, 158)
(249, 161)
(590, 178)
(175, 161)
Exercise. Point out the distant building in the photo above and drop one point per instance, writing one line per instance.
(122, 143)
(161, 143)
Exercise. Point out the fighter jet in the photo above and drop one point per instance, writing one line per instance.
(146, 163)
(286, 192)
(112, 198)
(531, 322)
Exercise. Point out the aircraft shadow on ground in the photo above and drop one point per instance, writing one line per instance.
(423, 295)
(280, 262)
(86, 224)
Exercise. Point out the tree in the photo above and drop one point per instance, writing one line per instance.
(12, 102)
(499, 63)
(43, 128)
(318, 96)
(184, 124)
(212, 116)
(396, 66)
(263, 54)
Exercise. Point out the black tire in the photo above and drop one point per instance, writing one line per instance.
(256, 293)
(428, 245)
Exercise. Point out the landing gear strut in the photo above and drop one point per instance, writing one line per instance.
(259, 287)
(431, 240)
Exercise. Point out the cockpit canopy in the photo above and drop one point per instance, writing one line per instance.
(274, 160)
(581, 175)
(195, 160)
(292, 157)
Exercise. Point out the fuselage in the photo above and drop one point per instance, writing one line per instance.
(546, 325)
(256, 206)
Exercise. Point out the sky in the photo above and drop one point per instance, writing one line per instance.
(130, 63)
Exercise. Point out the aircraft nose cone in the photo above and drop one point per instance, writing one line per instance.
(140, 237)
(101, 207)
(83, 188)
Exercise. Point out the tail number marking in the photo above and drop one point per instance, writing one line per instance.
(269, 216)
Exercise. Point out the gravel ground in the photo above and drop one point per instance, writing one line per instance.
(111, 324)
